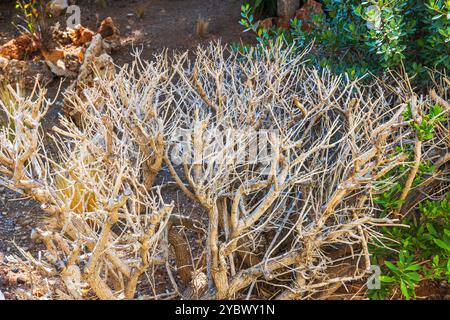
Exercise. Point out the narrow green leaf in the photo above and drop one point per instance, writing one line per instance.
(391, 266)
(404, 289)
(442, 244)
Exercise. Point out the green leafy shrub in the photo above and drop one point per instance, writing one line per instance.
(358, 36)
(426, 127)
(424, 252)
(269, 38)
(404, 273)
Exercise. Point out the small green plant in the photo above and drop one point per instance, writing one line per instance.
(424, 254)
(404, 274)
(269, 38)
(439, 269)
(425, 128)
(423, 248)
(29, 12)
(432, 210)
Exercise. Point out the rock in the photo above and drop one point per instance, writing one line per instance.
(266, 23)
(283, 23)
(72, 63)
(59, 68)
(81, 35)
(95, 49)
(65, 58)
(62, 37)
(110, 34)
(24, 46)
(2, 296)
(108, 28)
(306, 13)
(56, 7)
(55, 60)
(53, 55)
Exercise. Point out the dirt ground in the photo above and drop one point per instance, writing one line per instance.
(165, 24)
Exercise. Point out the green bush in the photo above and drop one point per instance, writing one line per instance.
(423, 251)
(420, 251)
(358, 36)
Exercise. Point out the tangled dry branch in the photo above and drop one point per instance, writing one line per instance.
(285, 160)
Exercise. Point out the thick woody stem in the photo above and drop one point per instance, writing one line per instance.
(217, 257)
(411, 176)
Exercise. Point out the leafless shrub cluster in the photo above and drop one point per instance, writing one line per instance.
(287, 218)
(107, 221)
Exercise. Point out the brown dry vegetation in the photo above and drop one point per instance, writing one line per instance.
(294, 226)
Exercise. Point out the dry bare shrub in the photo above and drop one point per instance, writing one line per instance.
(299, 222)
(298, 225)
(285, 160)
(107, 221)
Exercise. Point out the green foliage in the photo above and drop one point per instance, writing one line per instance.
(425, 128)
(358, 36)
(389, 199)
(29, 12)
(432, 210)
(270, 38)
(404, 273)
(424, 252)
(423, 248)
